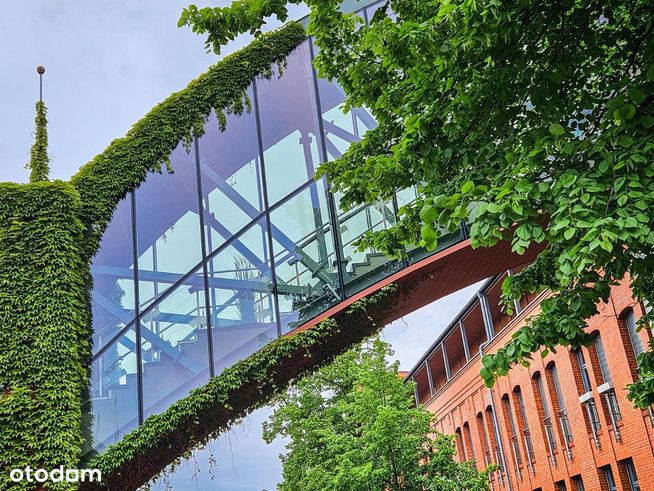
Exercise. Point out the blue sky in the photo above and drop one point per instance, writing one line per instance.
(107, 63)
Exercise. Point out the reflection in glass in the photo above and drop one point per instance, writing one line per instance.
(242, 304)
(305, 262)
(289, 125)
(168, 226)
(341, 129)
(113, 392)
(174, 345)
(231, 176)
(113, 284)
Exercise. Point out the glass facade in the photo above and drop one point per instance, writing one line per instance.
(202, 267)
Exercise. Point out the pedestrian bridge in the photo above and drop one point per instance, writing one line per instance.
(241, 245)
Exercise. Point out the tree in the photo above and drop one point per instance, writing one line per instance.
(353, 426)
(533, 121)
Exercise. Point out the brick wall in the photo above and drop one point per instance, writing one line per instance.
(463, 402)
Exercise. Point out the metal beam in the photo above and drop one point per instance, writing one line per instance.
(147, 334)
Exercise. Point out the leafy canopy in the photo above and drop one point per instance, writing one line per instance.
(353, 426)
(532, 120)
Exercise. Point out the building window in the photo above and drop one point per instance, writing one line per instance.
(470, 451)
(609, 480)
(560, 486)
(578, 483)
(459, 445)
(611, 406)
(513, 434)
(524, 423)
(548, 424)
(634, 337)
(483, 438)
(583, 370)
(560, 410)
(632, 477)
(590, 408)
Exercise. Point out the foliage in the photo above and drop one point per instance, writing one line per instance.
(353, 425)
(44, 317)
(533, 120)
(39, 164)
(49, 231)
(239, 389)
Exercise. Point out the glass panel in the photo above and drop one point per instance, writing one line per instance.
(364, 267)
(406, 196)
(304, 256)
(289, 125)
(456, 356)
(174, 344)
(231, 176)
(113, 283)
(168, 226)
(475, 329)
(242, 304)
(341, 129)
(113, 391)
(603, 362)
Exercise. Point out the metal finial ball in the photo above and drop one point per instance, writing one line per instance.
(40, 70)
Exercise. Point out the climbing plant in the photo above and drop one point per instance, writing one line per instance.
(532, 120)
(39, 164)
(49, 231)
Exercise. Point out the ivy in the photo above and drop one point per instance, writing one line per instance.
(44, 318)
(39, 164)
(49, 231)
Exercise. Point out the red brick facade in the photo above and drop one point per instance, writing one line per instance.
(532, 418)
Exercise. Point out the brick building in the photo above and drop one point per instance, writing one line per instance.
(563, 423)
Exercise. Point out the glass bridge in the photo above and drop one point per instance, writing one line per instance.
(200, 268)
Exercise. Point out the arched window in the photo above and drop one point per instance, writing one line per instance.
(523, 424)
(585, 388)
(543, 408)
(610, 404)
(483, 438)
(470, 449)
(512, 431)
(631, 339)
(558, 404)
(459, 445)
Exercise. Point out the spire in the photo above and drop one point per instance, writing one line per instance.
(39, 164)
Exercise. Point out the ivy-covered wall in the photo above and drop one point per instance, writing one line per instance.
(43, 333)
(49, 232)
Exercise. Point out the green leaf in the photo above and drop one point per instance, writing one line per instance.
(636, 95)
(556, 129)
(650, 73)
(468, 187)
(569, 233)
(428, 213)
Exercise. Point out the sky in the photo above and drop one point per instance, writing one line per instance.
(107, 63)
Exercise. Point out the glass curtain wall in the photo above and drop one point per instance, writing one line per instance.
(200, 268)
